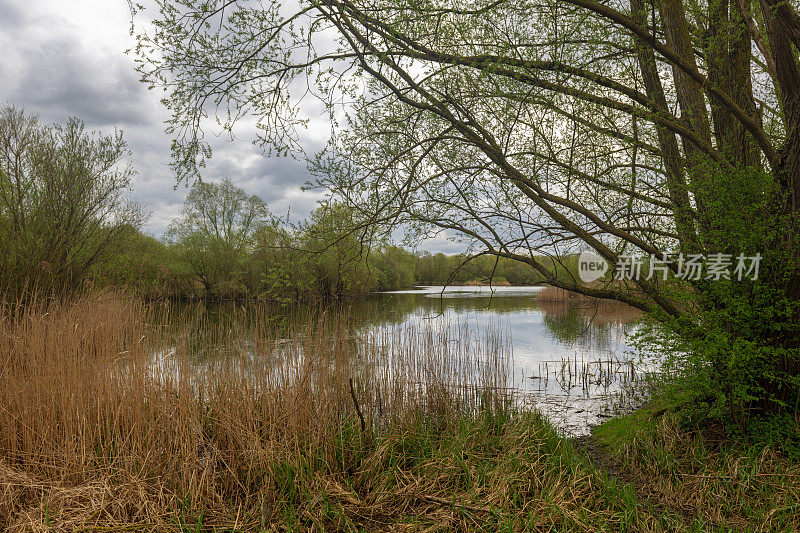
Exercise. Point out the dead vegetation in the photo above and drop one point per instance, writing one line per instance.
(120, 416)
(125, 416)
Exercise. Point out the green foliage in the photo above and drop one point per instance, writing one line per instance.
(736, 351)
(318, 259)
(324, 258)
(511, 134)
(142, 265)
(216, 235)
(63, 205)
(738, 477)
(393, 268)
(441, 269)
(773, 430)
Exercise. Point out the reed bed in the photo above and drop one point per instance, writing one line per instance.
(726, 485)
(552, 299)
(116, 415)
(120, 415)
(593, 377)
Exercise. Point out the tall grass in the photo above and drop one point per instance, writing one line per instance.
(121, 416)
(112, 411)
(729, 484)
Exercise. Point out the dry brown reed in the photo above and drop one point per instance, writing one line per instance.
(728, 487)
(121, 416)
(116, 413)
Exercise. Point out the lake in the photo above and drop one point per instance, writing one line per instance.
(568, 357)
(571, 359)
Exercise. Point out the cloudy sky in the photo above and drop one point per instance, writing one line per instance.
(67, 58)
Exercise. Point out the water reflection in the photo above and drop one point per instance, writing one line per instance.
(570, 358)
(541, 331)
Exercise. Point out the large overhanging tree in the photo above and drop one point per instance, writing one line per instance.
(539, 127)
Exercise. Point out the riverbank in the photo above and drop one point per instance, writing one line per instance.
(112, 421)
(699, 476)
(484, 474)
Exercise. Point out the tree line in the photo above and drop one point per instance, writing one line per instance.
(227, 245)
(67, 224)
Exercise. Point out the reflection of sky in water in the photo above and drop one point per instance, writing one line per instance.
(544, 336)
(548, 331)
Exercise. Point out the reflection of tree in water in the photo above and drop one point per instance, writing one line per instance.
(567, 326)
(199, 327)
(570, 326)
(499, 304)
(601, 311)
(398, 307)
(593, 325)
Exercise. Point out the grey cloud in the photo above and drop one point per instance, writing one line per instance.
(275, 179)
(10, 15)
(102, 93)
(58, 77)
(50, 69)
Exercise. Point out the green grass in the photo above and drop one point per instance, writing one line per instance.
(709, 478)
(620, 431)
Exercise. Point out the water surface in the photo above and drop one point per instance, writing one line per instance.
(570, 359)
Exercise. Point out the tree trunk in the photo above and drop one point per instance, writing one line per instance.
(676, 180)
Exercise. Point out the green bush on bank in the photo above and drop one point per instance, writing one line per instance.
(226, 245)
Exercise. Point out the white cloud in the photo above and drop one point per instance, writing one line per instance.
(64, 59)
